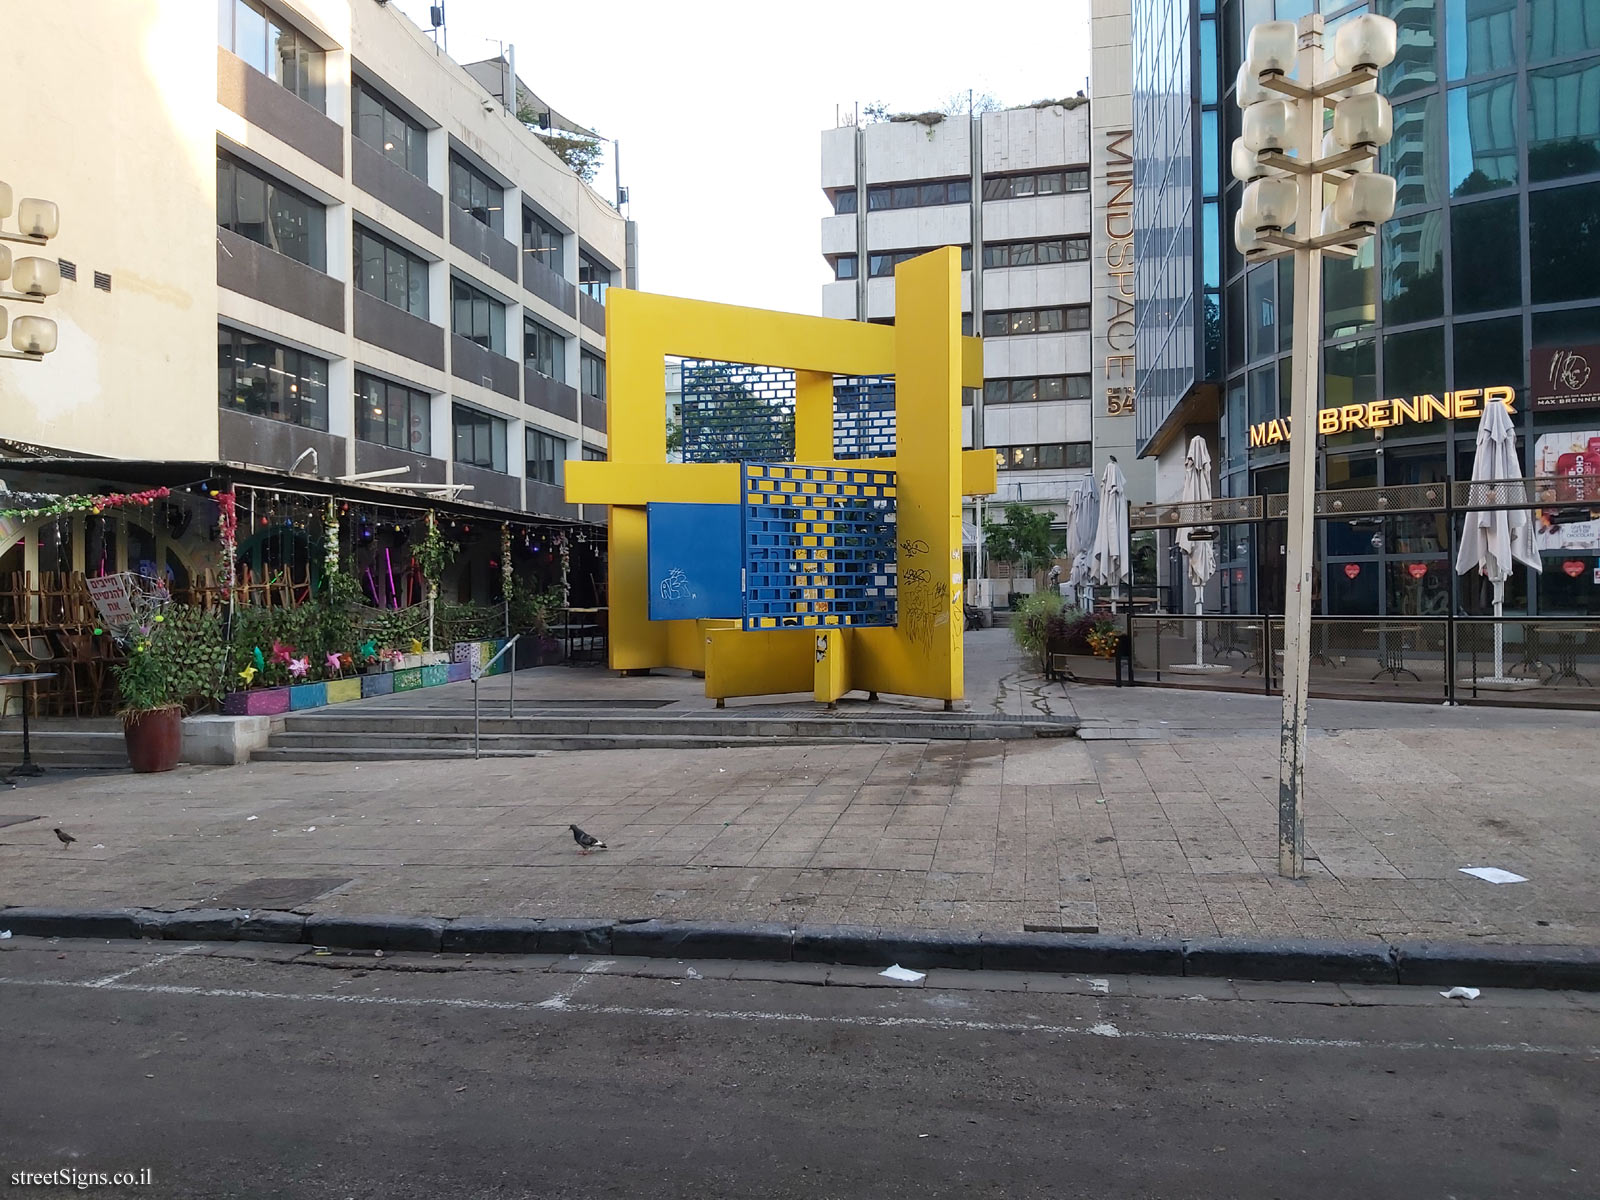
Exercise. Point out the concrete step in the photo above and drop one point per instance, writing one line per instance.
(900, 726)
(66, 748)
(400, 747)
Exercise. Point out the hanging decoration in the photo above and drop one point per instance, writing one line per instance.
(505, 561)
(228, 525)
(49, 504)
(563, 545)
(330, 529)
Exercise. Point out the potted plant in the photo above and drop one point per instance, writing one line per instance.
(173, 661)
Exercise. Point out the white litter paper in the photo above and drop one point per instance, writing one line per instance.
(903, 975)
(1461, 993)
(1494, 875)
(252, 818)
(4, 934)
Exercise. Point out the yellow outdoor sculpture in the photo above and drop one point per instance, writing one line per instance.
(931, 362)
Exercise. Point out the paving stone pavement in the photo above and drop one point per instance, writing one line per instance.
(1170, 832)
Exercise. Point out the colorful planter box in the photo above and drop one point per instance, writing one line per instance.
(407, 679)
(262, 702)
(458, 672)
(379, 684)
(341, 690)
(434, 658)
(307, 695)
(433, 676)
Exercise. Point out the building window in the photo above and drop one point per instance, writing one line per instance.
(542, 240)
(1032, 388)
(1036, 320)
(477, 316)
(260, 208)
(273, 47)
(393, 415)
(845, 266)
(593, 375)
(544, 351)
(1040, 183)
(1564, 115)
(476, 194)
(881, 266)
(1037, 254)
(844, 202)
(392, 133)
(1483, 136)
(393, 275)
(1564, 243)
(546, 453)
(1051, 456)
(594, 277)
(1557, 28)
(265, 379)
(915, 195)
(480, 438)
(590, 454)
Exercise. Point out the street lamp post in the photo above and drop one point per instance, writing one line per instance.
(1287, 158)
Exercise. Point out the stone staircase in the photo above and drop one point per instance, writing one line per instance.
(81, 746)
(378, 735)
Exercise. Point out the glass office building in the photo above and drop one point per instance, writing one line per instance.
(1488, 275)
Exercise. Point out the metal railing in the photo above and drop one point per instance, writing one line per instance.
(1542, 660)
(511, 682)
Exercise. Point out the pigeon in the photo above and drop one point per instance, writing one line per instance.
(66, 839)
(586, 841)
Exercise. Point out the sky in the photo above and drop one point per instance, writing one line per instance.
(719, 109)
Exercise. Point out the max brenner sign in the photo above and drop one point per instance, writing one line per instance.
(1118, 267)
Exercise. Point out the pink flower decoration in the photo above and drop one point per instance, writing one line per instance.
(334, 662)
(280, 652)
(299, 666)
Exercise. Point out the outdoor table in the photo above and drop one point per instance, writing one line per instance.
(1258, 650)
(590, 627)
(1392, 650)
(27, 767)
(1569, 639)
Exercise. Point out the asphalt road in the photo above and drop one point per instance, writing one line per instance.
(254, 1071)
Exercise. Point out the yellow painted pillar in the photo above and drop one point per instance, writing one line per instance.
(829, 679)
(813, 417)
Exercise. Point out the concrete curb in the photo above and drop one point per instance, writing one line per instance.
(1418, 963)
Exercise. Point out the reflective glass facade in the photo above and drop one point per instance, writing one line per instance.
(1488, 267)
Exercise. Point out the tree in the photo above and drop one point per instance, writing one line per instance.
(581, 154)
(958, 104)
(1024, 539)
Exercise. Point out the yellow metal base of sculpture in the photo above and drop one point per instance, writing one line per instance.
(931, 362)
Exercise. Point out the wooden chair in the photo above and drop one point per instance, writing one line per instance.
(31, 649)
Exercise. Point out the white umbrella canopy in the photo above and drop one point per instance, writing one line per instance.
(1495, 540)
(1086, 516)
(1108, 563)
(1200, 553)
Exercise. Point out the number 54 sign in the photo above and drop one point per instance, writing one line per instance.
(1119, 400)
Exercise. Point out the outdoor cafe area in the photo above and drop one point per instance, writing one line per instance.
(1432, 634)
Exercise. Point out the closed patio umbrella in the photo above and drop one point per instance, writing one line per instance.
(1200, 553)
(1108, 561)
(1495, 540)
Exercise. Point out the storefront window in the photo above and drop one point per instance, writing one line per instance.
(1413, 269)
(1413, 365)
(1567, 586)
(1570, 325)
(1263, 395)
(1488, 354)
(1352, 588)
(1236, 438)
(1483, 137)
(1346, 538)
(1350, 376)
(1486, 254)
(1564, 243)
(1415, 154)
(1418, 532)
(99, 546)
(1263, 319)
(1418, 587)
(1564, 112)
(1349, 292)
(1416, 64)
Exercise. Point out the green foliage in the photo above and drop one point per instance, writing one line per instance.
(1024, 539)
(297, 629)
(435, 554)
(173, 662)
(1031, 624)
(534, 612)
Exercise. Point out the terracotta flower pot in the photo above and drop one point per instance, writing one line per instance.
(154, 738)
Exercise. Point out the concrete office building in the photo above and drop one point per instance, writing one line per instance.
(1484, 278)
(1012, 189)
(396, 272)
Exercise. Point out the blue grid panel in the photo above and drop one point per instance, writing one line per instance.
(693, 561)
(819, 547)
(863, 416)
(733, 412)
